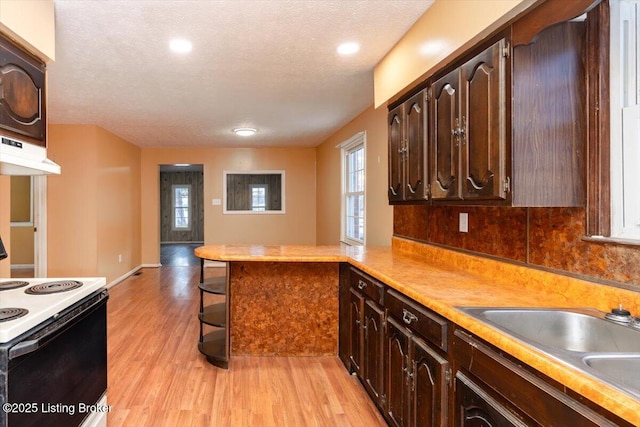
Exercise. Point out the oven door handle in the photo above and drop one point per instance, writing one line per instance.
(63, 323)
(25, 347)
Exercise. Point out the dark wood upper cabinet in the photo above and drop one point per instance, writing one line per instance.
(483, 124)
(415, 155)
(22, 94)
(407, 150)
(506, 126)
(549, 118)
(445, 137)
(469, 129)
(395, 126)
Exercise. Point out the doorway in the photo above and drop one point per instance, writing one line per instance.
(181, 214)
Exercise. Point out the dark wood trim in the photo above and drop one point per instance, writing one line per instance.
(547, 14)
(598, 213)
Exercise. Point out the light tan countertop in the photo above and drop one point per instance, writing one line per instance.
(442, 279)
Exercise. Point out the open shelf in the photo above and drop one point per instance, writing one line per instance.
(214, 315)
(214, 285)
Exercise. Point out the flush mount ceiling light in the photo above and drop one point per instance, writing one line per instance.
(245, 131)
(348, 48)
(180, 45)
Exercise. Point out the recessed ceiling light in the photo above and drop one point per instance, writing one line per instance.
(180, 45)
(348, 48)
(245, 131)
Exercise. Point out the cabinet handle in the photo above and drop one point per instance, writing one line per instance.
(408, 317)
(361, 285)
(393, 191)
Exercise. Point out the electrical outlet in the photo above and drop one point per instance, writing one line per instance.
(119, 257)
(464, 222)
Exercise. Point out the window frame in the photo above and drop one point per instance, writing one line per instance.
(174, 208)
(600, 151)
(349, 146)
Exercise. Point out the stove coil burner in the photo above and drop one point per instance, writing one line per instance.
(11, 313)
(12, 284)
(53, 287)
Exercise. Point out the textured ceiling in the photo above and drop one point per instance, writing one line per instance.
(263, 63)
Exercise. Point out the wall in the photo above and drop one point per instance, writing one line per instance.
(295, 227)
(94, 204)
(22, 244)
(444, 30)
(378, 215)
(32, 24)
(5, 221)
(551, 238)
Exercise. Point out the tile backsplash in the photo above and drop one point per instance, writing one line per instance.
(544, 237)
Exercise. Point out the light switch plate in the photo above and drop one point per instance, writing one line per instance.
(216, 202)
(464, 222)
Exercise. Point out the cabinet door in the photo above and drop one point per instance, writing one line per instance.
(476, 408)
(483, 124)
(373, 349)
(355, 331)
(22, 104)
(445, 136)
(429, 388)
(396, 153)
(397, 373)
(415, 161)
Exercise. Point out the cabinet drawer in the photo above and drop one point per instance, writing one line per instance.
(420, 319)
(367, 285)
(526, 392)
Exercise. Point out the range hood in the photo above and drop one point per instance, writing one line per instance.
(23, 158)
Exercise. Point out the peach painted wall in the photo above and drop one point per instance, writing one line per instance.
(5, 223)
(445, 29)
(378, 215)
(32, 23)
(94, 204)
(295, 227)
(21, 235)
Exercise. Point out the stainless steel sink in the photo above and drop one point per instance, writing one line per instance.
(575, 330)
(582, 338)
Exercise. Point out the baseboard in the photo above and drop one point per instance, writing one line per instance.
(124, 276)
(22, 266)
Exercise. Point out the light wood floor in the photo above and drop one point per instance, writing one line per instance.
(157, 377)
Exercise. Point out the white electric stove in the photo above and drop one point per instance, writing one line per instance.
(53, 352)
(58, 294)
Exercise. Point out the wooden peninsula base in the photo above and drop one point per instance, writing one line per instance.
(284, 308)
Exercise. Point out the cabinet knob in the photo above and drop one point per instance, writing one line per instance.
(361, 284)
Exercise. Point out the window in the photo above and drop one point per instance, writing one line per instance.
(353, 184)
(625, 119)
(181, 207)
(258, 197)
(253, 192)
(613, 149)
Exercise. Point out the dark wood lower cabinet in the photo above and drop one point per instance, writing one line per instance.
(476, 408)
(356, 303)
(373, 341)
(423, 371)
(396, 360)
(417, 380)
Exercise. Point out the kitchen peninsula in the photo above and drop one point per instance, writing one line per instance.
(285, 300)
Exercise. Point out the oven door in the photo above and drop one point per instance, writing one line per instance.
(61, 370)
